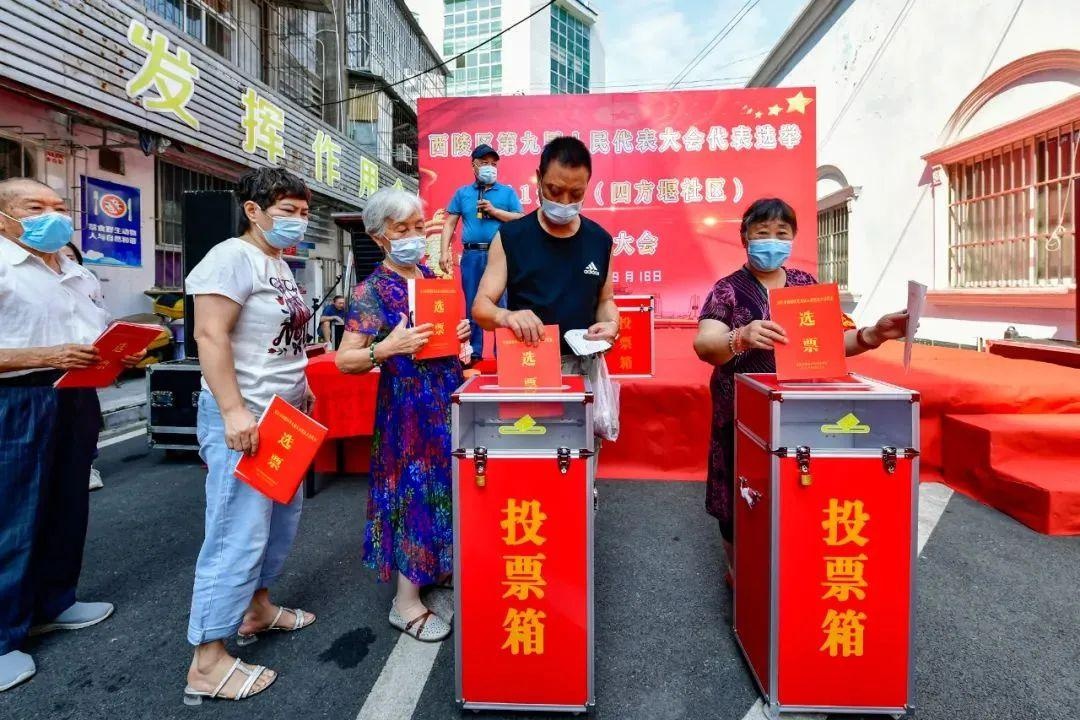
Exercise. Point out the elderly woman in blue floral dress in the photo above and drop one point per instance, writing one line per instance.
(409, 517)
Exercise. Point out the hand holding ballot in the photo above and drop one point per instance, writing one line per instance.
(606, 331)
(526, 326)
(438, 305)
(122, 345)
(761, 335)
(71, 357)
(889, 327)
(405, 340)
(287, 442)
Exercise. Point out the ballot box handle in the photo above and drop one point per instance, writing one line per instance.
(749, 494)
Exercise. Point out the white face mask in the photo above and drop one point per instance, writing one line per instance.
(558, 213)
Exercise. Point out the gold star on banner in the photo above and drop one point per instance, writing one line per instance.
(775, 110)
(798, 103)
(749, 111)
(758, 115)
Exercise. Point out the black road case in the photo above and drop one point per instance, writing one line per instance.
(173, 399)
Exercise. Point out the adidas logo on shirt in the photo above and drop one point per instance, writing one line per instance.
(590, 269)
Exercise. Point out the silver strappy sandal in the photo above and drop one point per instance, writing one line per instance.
(301, 620)
(195, 697)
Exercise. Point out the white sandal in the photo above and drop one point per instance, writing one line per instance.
(300, 621)
(195, 697)
(429, 627)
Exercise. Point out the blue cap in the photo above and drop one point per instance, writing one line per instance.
(483, 150)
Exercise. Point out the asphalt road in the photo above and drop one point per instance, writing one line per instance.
(998, 613)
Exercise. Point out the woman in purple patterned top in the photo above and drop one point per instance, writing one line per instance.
(735, 335)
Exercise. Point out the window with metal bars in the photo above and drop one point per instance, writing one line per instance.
(832, 240)
(211, 22)
(381, 40)
(172, 182)
(1012, 213)
(266, 40)
(15, 160)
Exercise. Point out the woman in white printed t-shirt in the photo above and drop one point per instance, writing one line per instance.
(250, 325)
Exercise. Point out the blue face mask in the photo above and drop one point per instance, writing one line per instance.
(407, 250)
(487, 174)
(768, 254)
(47, 232)
(286, 232)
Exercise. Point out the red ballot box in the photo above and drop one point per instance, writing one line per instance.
(523, 547)
(826, 512)
(634, 354)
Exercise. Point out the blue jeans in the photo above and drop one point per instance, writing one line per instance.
(46, 439)
(248, 536)
(473, 264)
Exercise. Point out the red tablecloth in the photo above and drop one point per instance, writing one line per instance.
(346, 405)
(343, 403)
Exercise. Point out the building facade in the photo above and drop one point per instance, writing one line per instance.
(123, 105)
(557, 51)
(389, 64)
(947, 154)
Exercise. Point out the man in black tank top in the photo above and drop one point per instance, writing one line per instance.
(554, 264)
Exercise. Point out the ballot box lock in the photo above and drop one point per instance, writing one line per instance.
(564, 460)
(888, 459)
(802, 457)
(480, 457)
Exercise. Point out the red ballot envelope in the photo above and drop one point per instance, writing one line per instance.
(288, 441)
(812, 318)
(523, 366)
(118, 341)
(439, 302)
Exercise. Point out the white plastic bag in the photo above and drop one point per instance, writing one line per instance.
(606, 398)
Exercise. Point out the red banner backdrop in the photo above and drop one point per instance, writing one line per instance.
(672, 172)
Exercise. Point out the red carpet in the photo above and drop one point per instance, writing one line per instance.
(666, 420)
(1024, 465)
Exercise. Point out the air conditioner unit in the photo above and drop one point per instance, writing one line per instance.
(403, 153)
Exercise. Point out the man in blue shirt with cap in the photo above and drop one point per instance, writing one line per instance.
(485, 205)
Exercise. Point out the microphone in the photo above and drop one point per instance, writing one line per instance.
(480, 214)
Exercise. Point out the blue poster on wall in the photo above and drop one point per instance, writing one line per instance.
(111, 232)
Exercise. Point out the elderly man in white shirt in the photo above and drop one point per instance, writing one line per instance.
(48, 322)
